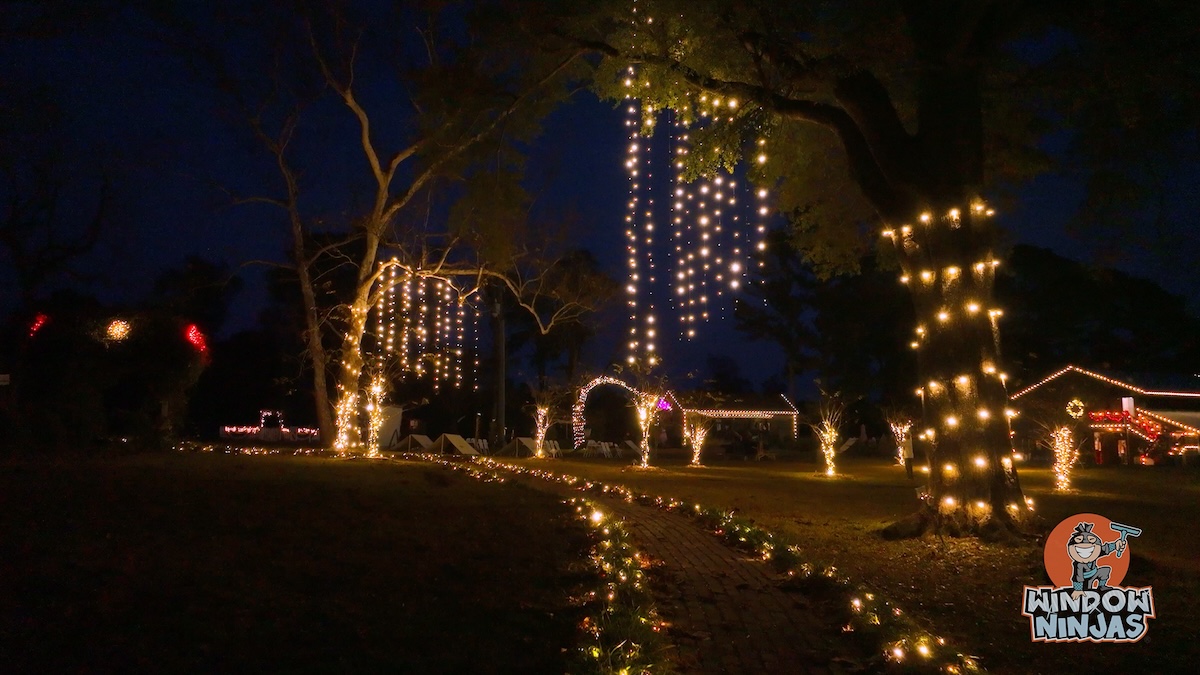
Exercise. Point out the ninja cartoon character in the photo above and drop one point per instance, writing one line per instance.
(1085, 548)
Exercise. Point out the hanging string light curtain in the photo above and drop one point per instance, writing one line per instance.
(426, 328)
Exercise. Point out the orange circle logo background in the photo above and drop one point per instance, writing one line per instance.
(1059, 564)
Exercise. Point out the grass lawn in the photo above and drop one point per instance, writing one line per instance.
(967, 591)
(200, 563)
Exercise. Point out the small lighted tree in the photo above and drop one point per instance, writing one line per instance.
(1066, 453)
(827, 432)
(374, 408)
(647, 411)
(900, 426)
(546, 402)
(695, 431)
(541, 424)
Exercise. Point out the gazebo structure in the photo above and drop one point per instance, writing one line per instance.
(1132, 418)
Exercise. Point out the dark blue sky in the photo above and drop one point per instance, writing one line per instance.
(134, 109)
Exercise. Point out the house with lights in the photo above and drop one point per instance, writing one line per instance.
(1128, 418)
(737, 415)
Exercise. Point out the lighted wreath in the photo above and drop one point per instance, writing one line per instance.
(1075, 408)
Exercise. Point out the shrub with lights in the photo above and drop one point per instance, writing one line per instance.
(93, 376)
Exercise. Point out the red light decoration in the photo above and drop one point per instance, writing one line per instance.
(1150, 429)
(195, 337)
(38, 321)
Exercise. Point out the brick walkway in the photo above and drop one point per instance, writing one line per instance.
(727, 612)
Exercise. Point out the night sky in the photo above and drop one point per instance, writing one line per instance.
(135, 109)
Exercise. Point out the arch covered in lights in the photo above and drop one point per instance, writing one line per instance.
(577, 415)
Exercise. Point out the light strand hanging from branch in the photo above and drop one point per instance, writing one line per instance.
(716, 220)
(420, 327)
(638, 238)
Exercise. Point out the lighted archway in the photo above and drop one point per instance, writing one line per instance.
(577, 415)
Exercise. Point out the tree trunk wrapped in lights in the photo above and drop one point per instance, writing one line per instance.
(541, 420)
(374, 408)
(647, 411)
(947, 261)
(900, 427)
(346, 421)
(695, 431)
(827, 433)
(1066, 453)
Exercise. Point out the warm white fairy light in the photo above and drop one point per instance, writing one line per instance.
(647, 411)
(374, 408)
(578, 420)
(541, 422)
(475, 330)
(118, 330)
(710, 239)
(638, 239)
(827, 434)
(406, 335)
(1066, 453)
(422, 328)
(695, 432)
(345, 420)
(900, 428)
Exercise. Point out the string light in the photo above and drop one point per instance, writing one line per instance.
(647, 411)
(578, 420)
(420, 326)
(827, 435)
(118, 330)
(345, 420)
(38, 321)
(1066, 453)
(625, 587)
(710, 238)
(374, 408)
(1107, 380)
(696, 432)
(195, 337)
(541, 423)
(900, 428)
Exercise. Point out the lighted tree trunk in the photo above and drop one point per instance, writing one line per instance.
(541, 425)
(949, 265)
(928, 193)
(349, 434)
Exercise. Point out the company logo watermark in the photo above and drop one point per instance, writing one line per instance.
(1086, 558)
